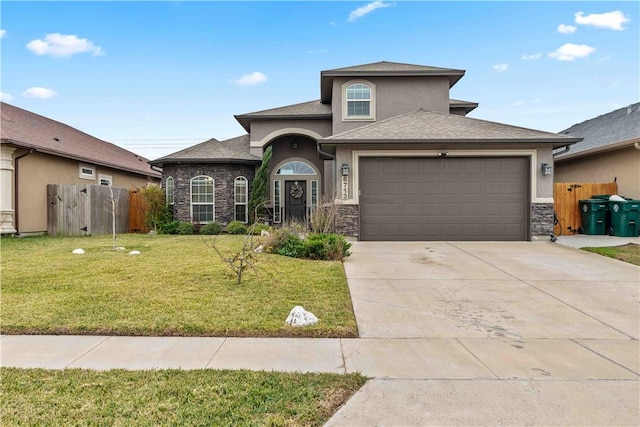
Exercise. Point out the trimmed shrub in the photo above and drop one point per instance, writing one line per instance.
(236, 227)
(326, 247)
(212, 228)
(170, 227)
(184, 228)
(258, 228)
(284, 241)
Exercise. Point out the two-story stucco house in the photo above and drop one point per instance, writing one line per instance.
(396, 153)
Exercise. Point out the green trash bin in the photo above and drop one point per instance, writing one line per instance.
(625, 218)
(593, 215)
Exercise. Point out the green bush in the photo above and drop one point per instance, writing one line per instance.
(184, 228)
(170, 227)
(284, 241)
(258, 228)
(236, 227)
(211, 228)
(326, 247)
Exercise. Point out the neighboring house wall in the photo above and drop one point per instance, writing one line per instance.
(224, 176)
(36, 170)
(622, 165)
(394, 96)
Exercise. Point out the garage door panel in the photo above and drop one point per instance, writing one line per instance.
(444, 199)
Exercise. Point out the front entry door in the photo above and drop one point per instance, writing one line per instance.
(296, 201)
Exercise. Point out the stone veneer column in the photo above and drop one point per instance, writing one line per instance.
(347, 220)
(6, 190)
(541, 220)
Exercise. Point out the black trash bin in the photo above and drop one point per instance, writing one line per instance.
(625, 218)
(593, 215)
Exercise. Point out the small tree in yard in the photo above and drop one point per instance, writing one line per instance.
(112, 205)
(259, 190)
(153, 197)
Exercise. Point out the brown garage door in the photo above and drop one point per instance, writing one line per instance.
(449, 198)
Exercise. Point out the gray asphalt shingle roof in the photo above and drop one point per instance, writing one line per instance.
(234, 150)
(608, 129)
(304, 110)
(427, 126)
(24, 129)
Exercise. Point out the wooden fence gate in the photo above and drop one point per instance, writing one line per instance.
(136, 212)
(81, 210)
(566, 197)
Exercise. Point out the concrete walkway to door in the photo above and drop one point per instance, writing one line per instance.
(477, 333)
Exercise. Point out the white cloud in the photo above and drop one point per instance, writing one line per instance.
(501, 67)
(39, 92)
(361, 11)
(63, 45)
(532, 56)
(251, 79)
(611, 20)
(570, 51)
(7, 97)
(567, 29)
(3, 33)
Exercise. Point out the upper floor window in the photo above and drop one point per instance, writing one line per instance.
(168, 190)
(359, 101)
(202, 199)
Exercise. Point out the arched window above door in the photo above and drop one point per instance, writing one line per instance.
(296, 167)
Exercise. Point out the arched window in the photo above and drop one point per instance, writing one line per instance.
(240, 188)
(168, 190)
(295, 167)
(202, 199)
(358, 100)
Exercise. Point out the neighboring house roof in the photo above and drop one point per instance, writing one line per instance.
(421, 126)
(27, 130)
(610, 131)
(381, 69)
(311, 110)
(235, 150)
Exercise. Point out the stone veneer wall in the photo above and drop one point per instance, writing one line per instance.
(224, 176)
(541, 219)
(347, 220)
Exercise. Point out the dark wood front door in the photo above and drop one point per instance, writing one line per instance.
(296, 200)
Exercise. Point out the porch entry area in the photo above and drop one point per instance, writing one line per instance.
(295, 191)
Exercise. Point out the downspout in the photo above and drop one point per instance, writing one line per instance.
(16, 214)
(333, 164)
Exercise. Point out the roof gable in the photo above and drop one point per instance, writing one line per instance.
(606, 131)
(427, 126)
(31, 131)
(383, 69)
(234, 150)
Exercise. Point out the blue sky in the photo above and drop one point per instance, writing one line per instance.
(156, 77)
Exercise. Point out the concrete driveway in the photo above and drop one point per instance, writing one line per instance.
(477, 333)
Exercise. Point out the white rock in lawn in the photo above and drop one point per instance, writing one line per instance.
(265, 233)
(259, 249)
(78, 251)
(120, 248)
(134, 253)
(301, 317)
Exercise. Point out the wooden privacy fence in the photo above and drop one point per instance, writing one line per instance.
(81, 210)
(136, 212)
(566, 197)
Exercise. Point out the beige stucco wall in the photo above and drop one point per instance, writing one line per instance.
(260, 129)
(37, 170)
(394, 96)
(623, 164)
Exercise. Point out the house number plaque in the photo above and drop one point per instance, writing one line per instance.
(345, 187)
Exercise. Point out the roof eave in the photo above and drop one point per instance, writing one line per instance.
(597, 150)
(557, 142)
(204, 160)
(82, 159)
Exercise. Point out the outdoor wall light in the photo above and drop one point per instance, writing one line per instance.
(546, 169)
(345, 169)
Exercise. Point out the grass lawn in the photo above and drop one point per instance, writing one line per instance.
(629, 253)
(171, 397)
(177, 286)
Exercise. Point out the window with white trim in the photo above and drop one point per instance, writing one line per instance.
(105, 179)
(295, 167)
(314, 194)
(168, 190)
(202, 199)
(87, 171)
(358, 101)
(277, 201)
(240, 187)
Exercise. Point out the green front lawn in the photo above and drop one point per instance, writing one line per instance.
(41, 397)
(176, 286)
(628, 253)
